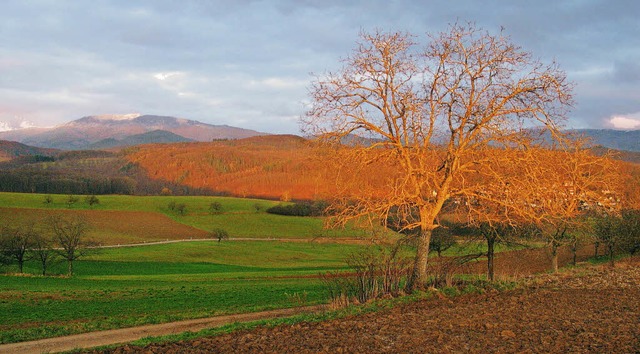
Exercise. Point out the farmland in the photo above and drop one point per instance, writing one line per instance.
(127, 286)
(149, 218)
(118, 287)
(123, 287)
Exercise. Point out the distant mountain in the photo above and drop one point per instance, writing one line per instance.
(155, 136)
(628, 140)
(10, 150)
(84, 132)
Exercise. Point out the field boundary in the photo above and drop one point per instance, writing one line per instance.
(125, 335)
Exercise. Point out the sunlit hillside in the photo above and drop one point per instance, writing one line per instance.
(275, 167)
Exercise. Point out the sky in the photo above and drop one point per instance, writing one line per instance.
(249, 63)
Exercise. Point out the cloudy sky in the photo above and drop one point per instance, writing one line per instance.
(247, 63)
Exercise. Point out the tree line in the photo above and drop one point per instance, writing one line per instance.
(55, 238)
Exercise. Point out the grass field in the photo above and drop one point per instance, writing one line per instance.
(122, 287)
(142, 219)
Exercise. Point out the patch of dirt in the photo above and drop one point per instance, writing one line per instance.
(592, 309)
(131, 226)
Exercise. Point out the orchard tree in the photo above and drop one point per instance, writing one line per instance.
(429, 112)
(43, 251)
(16, 242)
(69, 235)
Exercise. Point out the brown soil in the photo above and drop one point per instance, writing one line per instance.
(109, 227)
(584, 310)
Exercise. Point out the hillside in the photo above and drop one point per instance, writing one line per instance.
(628, 140)
(156, 136)
(271, 166)
(84, 132)
(275, 167)
(10, 150)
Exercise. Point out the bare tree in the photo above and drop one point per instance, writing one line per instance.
(16, 242)
(429, 113)
(43, 251)
(69, 233)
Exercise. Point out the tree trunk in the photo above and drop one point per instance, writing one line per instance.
(70, 267)
(611, 258)
(596, 246)
(419, 274)
(554, 257)
(491, 242)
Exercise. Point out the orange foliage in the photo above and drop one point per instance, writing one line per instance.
(274, 167)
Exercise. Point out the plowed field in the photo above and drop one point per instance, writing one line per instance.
(114, 227)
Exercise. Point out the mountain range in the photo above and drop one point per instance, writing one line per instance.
(113, 131)
(108, 131)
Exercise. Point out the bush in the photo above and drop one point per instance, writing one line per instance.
(299, 209)
(91, 200)
(441, 240)
(215, 208)
(71, 199)
(377, 272)
(181, 209)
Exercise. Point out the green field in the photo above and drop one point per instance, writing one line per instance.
(239, 216)
(121, 287)
(128, 286)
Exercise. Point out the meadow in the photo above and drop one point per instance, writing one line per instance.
(129, 286)
(150, 218)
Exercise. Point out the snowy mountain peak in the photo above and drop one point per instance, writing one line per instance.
(129, 116)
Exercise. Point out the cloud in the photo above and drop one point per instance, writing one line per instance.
(626, 122)
(5, 127)
(166, 75)
(247, 63)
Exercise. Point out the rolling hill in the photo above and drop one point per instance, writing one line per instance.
(10, 150)
(156, 136)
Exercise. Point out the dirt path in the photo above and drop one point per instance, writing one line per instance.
(124, 335)
(347, 241)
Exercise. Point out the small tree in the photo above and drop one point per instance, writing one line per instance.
(43, 251)
(91, 200)
(219, 234)
(608, 229)
(181, 209)
(48, 200)
(16, 243)
(215, 208)
(71, 200)
(630, 242)
(69, 235)
(441, 240)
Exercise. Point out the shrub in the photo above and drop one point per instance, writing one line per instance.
(299, 209)
(441, 240)
(215, 208)
(71, 199)
(91, 200)
(377, 272)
